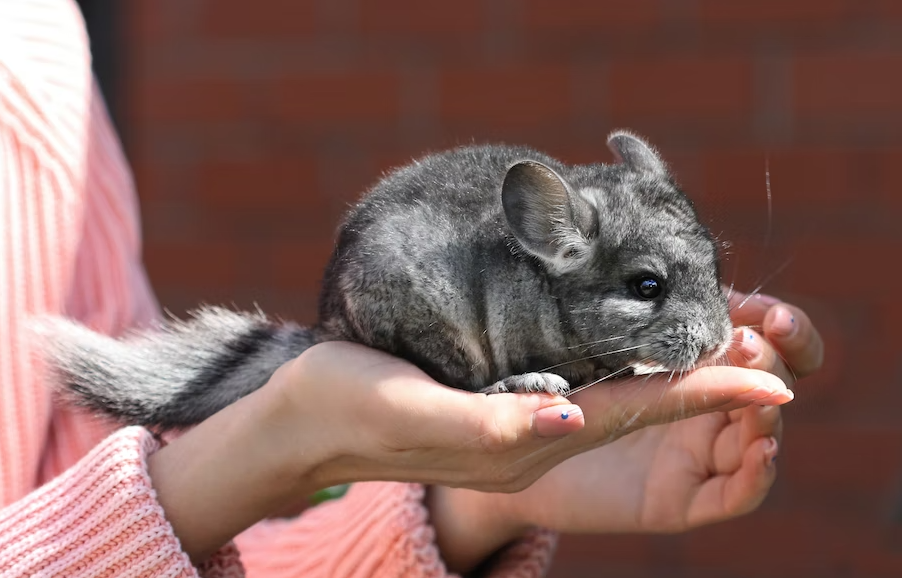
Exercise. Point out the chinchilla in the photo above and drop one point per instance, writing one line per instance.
(493, 268)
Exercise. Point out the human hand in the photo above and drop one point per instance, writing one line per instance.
(663, 478)
(342, 412)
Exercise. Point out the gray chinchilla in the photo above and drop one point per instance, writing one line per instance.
(493, 268)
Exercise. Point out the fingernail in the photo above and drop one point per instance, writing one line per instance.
(758, 394)
(768, 300)
(784, 323)
(557, 420)
(747, 343)
(777, 398)
(770, 451)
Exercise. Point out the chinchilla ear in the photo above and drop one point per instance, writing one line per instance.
(546, 217)
(636, 153)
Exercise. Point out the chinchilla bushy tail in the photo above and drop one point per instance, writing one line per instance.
(173, 375)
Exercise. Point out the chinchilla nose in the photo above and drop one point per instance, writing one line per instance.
(718, 334)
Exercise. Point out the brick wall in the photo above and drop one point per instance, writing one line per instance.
(251, 126)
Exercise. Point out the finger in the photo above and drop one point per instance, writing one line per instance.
(731, 444)
(746, 310)
(633, 403)
(730, 495)
(450, 418)
(792, 333)
(760, 422)
(749, 349)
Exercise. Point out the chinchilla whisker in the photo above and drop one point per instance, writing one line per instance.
(788, 366)
(594, 356)
(587, 344)
(597, 381)
(606, 377)
(767, 236)
(534, 453)
(770, 203)
(633, 419)
(767, 280)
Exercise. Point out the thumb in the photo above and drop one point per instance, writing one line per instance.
(499, 422)
(631, 404)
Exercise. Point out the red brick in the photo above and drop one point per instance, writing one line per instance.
(799, 175)
(147, 22)
(245, 184)
(847, 84)
(667, 87)
(788, 544)
(263, 21)
(822, 175)
(890, 8)
(581, 14)
(876, 562)
(195, 264)
(832, 458)
(192, 100)
(506, 97)
(385, 161)
(834, 268)
(298, 266)
(338, 98)
(889, 175)
(762, 544)
(417, 18)
(734, 177)
(885, 340)
(771, 12)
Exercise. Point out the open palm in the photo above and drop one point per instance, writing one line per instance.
(663, 478)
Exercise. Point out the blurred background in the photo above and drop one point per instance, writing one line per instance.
(251, 126)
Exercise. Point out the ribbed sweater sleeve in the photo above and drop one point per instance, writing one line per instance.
(100, 518)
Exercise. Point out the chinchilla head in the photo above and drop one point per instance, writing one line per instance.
(635, 274)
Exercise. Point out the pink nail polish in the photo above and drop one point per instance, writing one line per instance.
(748, 343)
(556, 421)
(784, 324)
(771, 451)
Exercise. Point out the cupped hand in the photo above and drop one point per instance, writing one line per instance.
(667, 477)
(374, 417)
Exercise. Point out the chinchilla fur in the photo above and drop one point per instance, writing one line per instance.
(493, 268)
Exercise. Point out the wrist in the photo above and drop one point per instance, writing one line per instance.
(470, 526)
(233, 470)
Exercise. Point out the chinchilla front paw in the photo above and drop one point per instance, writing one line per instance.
(530, 383)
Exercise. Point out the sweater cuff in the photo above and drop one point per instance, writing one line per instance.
(100, 518)
(528, 557)
(378, 529)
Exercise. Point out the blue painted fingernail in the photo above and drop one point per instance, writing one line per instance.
(565, 415)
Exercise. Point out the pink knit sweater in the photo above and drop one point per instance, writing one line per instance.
(76, 497)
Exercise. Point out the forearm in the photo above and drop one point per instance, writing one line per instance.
(230, 472)
(470, 526)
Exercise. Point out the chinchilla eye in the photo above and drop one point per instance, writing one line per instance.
(648, 287)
